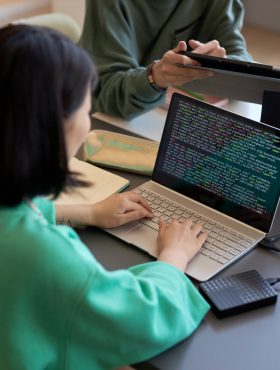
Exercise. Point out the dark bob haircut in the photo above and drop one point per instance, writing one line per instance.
(44, 78)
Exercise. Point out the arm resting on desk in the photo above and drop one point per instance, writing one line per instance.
(134, 315)
(128, 315)
(113, 211)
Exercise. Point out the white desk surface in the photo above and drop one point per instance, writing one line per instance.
(150, 124)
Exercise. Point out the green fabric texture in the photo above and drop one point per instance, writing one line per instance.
(124, 36)
(61, 310)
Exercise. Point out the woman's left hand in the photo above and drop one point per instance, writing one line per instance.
(119, 209)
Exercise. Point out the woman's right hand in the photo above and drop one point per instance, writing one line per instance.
(179, 242)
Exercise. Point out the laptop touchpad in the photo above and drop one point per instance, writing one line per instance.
(144, 238)
(124, 229)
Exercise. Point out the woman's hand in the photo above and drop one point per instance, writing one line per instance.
(119, 209)
(179, 242)
(113, 211)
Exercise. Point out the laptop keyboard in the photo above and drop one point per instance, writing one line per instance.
(222, 244)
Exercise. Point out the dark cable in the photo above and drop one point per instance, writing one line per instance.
(268, 243)
(273, 281)
(273, 238)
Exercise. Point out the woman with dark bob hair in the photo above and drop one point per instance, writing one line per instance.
(60, 309)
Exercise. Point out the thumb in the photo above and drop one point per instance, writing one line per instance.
(162, 227)
(182, 46)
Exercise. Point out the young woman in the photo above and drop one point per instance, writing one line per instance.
(59, 308)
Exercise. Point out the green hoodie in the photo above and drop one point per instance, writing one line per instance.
(124, 36)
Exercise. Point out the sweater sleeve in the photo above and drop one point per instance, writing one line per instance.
(132, 315)
(223, 22)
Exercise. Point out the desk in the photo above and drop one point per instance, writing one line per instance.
(150, 124)
(249, 341)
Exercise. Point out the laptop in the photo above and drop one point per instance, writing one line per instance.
(221, 170)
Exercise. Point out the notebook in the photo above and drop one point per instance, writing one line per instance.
(219, 169)
(104, 184)
(124, 152)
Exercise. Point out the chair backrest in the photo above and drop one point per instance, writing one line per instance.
(58, 21)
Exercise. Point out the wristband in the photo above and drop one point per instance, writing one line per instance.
(151, 79)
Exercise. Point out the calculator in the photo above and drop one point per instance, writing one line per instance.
(237, 293)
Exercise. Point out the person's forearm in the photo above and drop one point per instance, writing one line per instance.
(73, 215)
(126, 94)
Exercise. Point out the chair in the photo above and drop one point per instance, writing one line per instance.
(58, 21)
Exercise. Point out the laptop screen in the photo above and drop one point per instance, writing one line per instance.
(220, 159)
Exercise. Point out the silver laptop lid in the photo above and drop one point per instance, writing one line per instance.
(221, 159)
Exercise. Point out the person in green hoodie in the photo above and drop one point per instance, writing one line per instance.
(135, 45)
(60, 309)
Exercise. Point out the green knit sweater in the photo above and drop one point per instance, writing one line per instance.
(124, 36)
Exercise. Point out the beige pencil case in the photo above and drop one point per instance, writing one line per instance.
(125, 152)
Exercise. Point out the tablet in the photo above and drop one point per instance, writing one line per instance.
(234, 79)
(231, 65)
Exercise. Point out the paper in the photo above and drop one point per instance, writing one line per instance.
(149, 124)
(104, 184)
